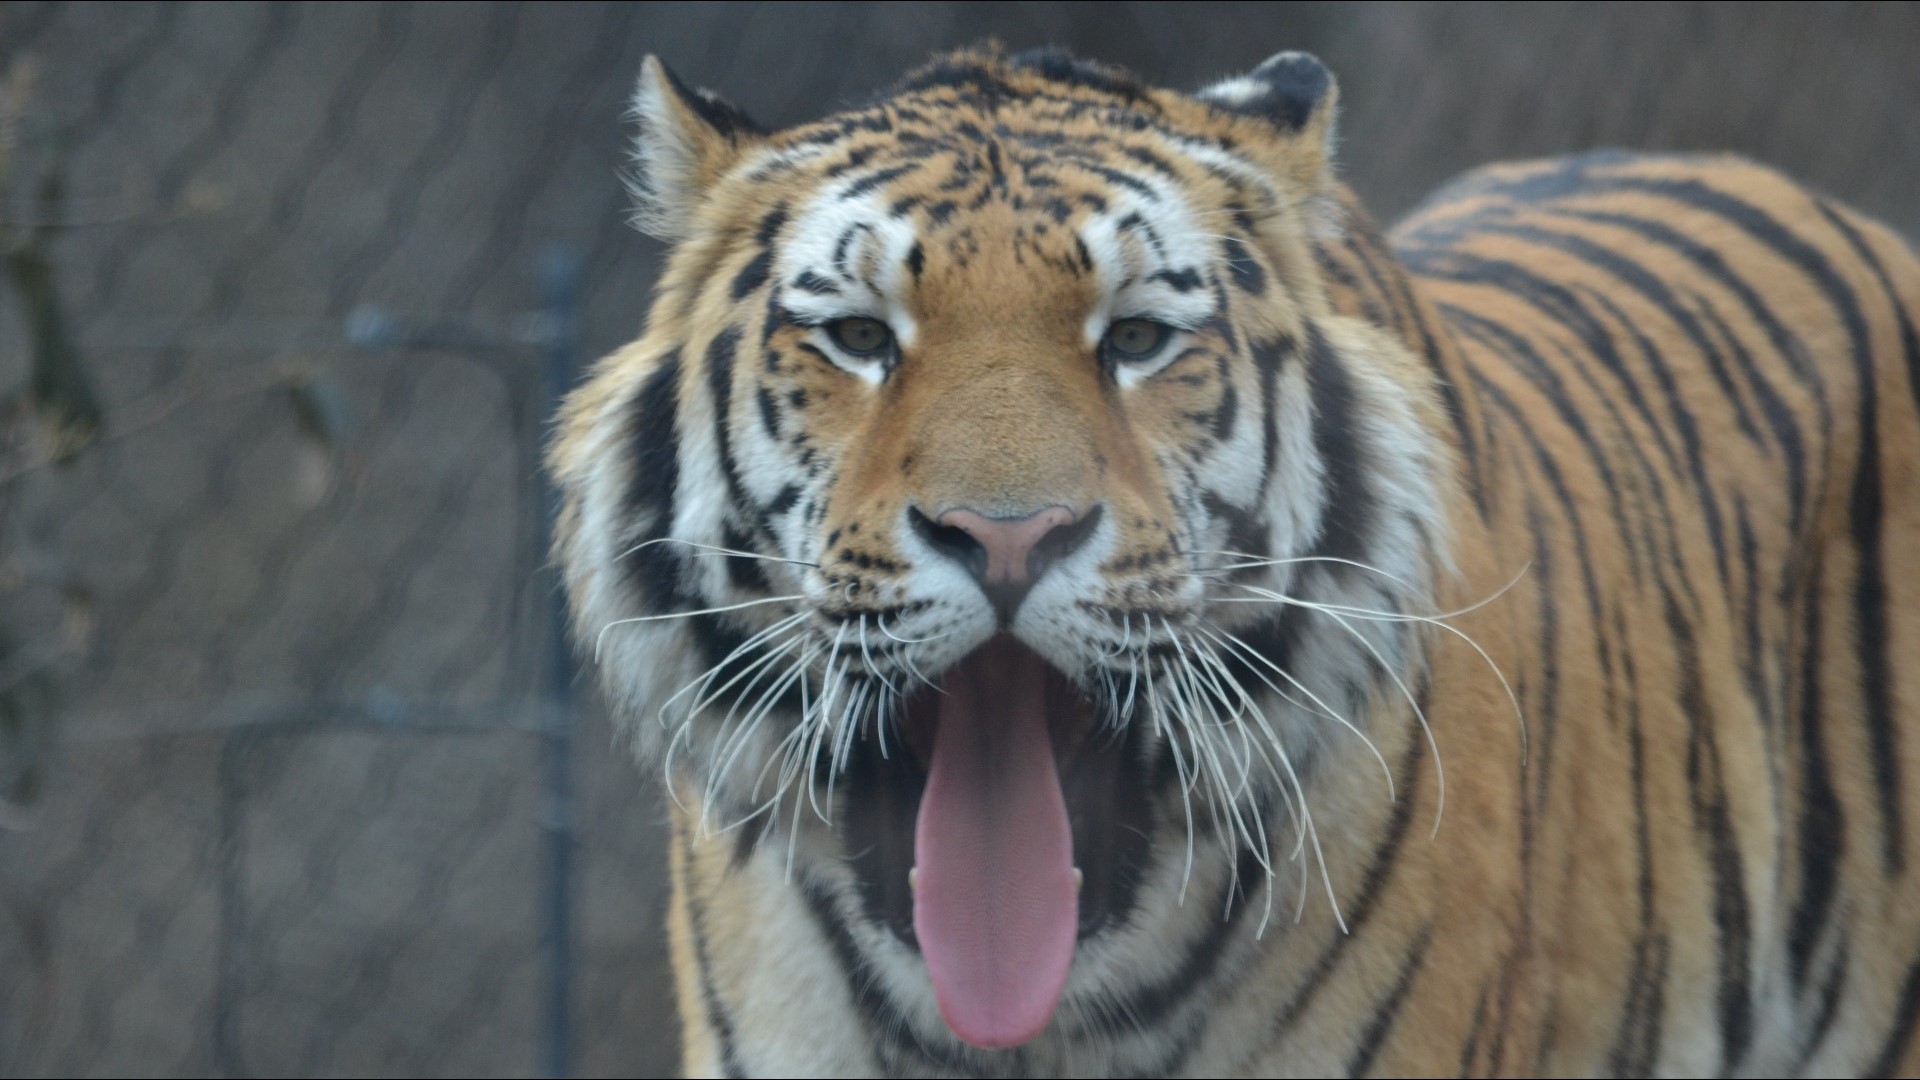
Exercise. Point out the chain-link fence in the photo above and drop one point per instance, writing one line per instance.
(289, 780)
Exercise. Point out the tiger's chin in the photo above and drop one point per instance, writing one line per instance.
(1013, 824)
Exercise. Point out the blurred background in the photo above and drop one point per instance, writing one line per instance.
(291, 780)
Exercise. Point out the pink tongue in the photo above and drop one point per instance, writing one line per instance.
(995, 907)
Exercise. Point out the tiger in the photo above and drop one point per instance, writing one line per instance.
(1100, 605)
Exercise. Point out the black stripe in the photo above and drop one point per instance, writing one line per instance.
(1334, 269)
(1909, 341)
(1714, 824)
(769, 412)
(1547, 631)
(1906, 1014)
(1268, 356)
(1442, 360)
(650, 494)
(1471, 1048)
(717, 1016)
(770, 226)
(746, 840)
(1636, 1046)
(885, 1028)
(1787, 345)
(1375, 1035)
(1544, 741)
(1222, 418)
(1524, 361)
(1874, 641)
(1184, 280)
(1115, 176)
(783, 501)
(843, 243)
(1549, 465)
(1704, 485)
(1874, 638)
(1656, 292)
(752, 276)
(1562, 306)
(1829, 1007)
(1759, 684)
(1144, 1007)
(810, 282)
(1364, 255)
(1247, 533)
(744, 574)
(1870, 596)
(1246, 270)
(720, 355)
(873, 180)
(1379, 869)
(1347, 505)
(1656, 539)
(1822, 839)
(854, 159)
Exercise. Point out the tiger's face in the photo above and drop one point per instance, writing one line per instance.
(950, 531)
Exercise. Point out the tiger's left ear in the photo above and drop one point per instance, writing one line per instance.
(1294, 93)
(688, 139)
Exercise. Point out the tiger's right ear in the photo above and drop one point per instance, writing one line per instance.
(1295, 94)
(688, 139)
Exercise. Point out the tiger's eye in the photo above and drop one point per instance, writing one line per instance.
(860, 336)
(1135, 339)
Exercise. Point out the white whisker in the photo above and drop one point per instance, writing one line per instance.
(1319, 705)
(1256, 561)
(602, 636)
(711, 549)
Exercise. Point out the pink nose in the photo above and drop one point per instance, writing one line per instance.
(1006, 555)
(1008, 543)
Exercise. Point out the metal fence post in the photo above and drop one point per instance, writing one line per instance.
(560, 348)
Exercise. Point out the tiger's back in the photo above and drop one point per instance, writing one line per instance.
(1580, 505)
(1686, 389)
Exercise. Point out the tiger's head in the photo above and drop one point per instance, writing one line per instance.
(957, 530)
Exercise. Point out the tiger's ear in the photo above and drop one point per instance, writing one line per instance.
(1295, 93)
(688, 139)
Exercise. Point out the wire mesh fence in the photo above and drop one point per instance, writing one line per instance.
(288, 783)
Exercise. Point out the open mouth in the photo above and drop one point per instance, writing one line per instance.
(1014, 826)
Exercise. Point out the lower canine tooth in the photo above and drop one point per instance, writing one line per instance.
(1078, 877)
(913, 879)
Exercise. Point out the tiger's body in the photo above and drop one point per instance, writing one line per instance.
(1648, 425)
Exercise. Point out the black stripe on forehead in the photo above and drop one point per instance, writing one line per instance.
(875, 180)
(810, 282)
(1138, 225)
(1186, 279)
(1153, 161)
(1115, 176)
(845, 243)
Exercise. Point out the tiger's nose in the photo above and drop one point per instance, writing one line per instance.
(1006, 556)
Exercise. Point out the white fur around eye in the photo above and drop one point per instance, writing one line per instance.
(855, 255)
(1138, 274)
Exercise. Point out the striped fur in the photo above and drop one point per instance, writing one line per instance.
(1648, 426)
